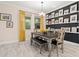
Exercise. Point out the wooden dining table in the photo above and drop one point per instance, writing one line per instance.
(47, 38)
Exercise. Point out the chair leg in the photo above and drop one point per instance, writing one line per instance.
(57, 50)
(62, 48)
(40, 49)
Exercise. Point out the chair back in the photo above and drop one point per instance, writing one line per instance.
(62, 34)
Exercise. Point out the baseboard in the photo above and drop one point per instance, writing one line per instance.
(8, 42)
(72, 43)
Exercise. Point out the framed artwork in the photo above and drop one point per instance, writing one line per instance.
(5, 17)
(56, 14)
(73, 8)
(67, 29)
(53, 21)
(56, 21)
(66, 20)
(9, 24)
(74, 29)
(61, 20)
(61, 12)
(66, 12)
(73, 18)
(53, 15)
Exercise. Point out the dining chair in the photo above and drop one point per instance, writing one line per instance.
(59, 40)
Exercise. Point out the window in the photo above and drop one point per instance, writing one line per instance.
(27, 22)
(37, 23)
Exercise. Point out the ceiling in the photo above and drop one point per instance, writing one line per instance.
(36, 5)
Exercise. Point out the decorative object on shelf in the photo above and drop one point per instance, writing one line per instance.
(66, 12)
(46, 22)
(61, 12)
(73, 8)
(74, 29)
(9, 24)
(53, 14)
(49, 22)
(56, 14)
(66, 20)
(5, 17)
(56, 21)
(73, 18)
(61, 20)
(53, 21)
(67, 29)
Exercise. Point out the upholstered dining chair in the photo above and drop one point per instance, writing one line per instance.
(59, 40)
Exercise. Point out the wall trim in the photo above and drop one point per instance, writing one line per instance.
(72, 43)
(8, 42)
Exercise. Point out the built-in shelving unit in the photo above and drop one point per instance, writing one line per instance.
(66, 17)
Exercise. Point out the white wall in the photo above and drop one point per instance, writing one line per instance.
(9, 35)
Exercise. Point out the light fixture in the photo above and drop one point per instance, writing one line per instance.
(42, 13)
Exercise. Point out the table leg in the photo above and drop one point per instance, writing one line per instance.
(49, 47)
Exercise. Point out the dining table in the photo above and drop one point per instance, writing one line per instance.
(47, 36)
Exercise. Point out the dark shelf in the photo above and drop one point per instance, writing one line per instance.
(63, 25)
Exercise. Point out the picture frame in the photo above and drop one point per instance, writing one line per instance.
(5, 17)
(9, 24)
(74, 29)
(61, 12)
(73, 8)
(53, 14)
(67, 29)
(66, 20)
(73, 18)
(56, 21)
(61, 20)
(53, 21)
(66, 12)
(56, 14)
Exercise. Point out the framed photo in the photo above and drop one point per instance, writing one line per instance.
(73, 8)
(5, 17)
(74, 29)
(53, 15)
(56, 14)
(66, 12)
(67, 29)
(56, 21)
(73, 18)
(53, 21)
(9, 24)
(61, 12)
(61, 20)
(66, 20)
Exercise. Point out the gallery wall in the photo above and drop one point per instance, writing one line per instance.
(9, 35)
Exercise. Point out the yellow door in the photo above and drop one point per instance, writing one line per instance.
(21, 25)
